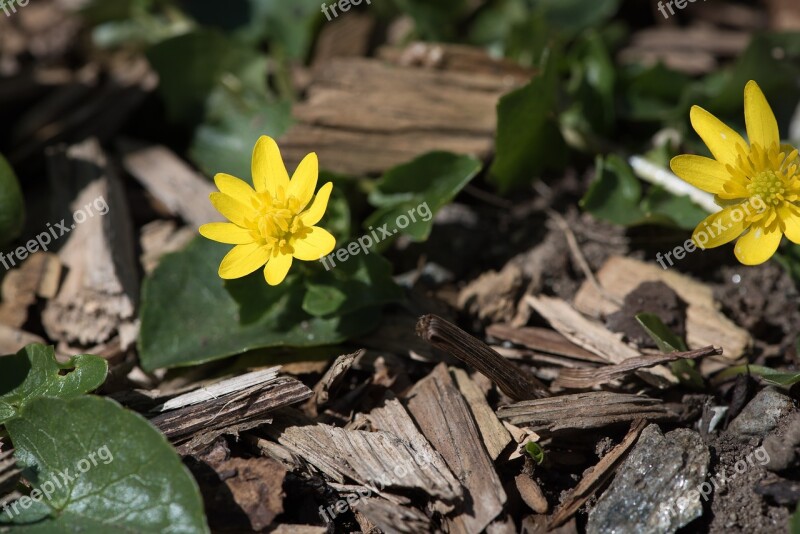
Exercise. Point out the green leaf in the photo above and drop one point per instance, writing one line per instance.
(12, 204)
(664, 338)
(410, 195)
(125, 474)
(236, 118)
(190, 316)
(770, 376)
(667, 341)
(364, 280)
(574, 16)
(528, 140)
(190, 67)
(615, 195)
(535, 451)
(34, 372)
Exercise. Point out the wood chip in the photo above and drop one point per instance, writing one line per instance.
(592, 336)
(13, 339)
(400, 113)
(379, 460)
(393, 518)
(392, 417)
(38, 275)
(333, 376)
(241, 410)
(444, 417)
(595, 477)
(542, 339)
(495, 436)
(101, 289)
(587, 378)
(221, 389)
(587, 410)
(512, 380)
(170, 180)
(705, 324)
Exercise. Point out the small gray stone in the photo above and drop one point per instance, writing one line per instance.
(655, 488)
(761, 415)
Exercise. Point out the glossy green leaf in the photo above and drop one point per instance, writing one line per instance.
(12, 204)
(410, 195)
(96, 467)
(34, 372)
(528, 140)
(190, 316)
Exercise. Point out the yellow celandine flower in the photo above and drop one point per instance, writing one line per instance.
(757, 184)
(269, 222)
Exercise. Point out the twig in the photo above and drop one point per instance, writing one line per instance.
(587, 378)
(512, 380)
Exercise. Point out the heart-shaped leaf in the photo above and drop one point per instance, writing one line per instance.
(190, 316)
(34, 372)
(97, 467)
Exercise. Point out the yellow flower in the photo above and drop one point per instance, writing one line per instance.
(270, 224)
(757, 184)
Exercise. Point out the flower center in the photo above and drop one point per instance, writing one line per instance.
(278, 225)
(769, 186)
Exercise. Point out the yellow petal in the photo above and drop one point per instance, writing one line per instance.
(276, 269)
(237, 189)
(704, 173)
(719, 138)
(304, 180)
(757, 245)
(226, 233)
(234, 211)
(312, 215)
(269, 172)
(721, 227)
(242, 260)
(790, 215)
(762, 128)
(318, 243)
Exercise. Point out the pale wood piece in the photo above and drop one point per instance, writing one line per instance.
(101, 289)
(495, 436)
(233, 412)
(171, 181)
(401, 112)
(531, 493)
(13, 339)
(378, 460)
(593, 336)
(705, 324)
(444, 417)
(38, 275)
(582, 411)
(393, 518)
